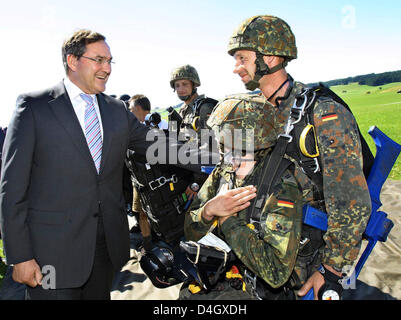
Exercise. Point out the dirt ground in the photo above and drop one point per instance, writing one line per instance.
(379, 279)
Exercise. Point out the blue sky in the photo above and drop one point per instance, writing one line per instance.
(149, 38)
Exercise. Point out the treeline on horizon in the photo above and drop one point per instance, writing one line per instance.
(371, 79)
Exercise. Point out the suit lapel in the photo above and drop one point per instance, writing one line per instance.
(64, 112)
(108, 127)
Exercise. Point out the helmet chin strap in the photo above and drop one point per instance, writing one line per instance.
(262, 69)
(185, 98)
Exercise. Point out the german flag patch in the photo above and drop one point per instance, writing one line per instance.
(329, 116)
(285, 203)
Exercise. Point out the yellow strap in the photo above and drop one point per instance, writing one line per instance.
(251, 226)
(302, 141)
(230, 275)
(194, 124)
(194, 288)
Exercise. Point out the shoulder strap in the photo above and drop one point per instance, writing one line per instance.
(273, 169)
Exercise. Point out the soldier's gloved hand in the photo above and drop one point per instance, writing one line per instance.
(332, 288)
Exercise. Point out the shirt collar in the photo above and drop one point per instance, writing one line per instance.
(74, 91)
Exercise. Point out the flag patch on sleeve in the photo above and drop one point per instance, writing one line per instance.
(329, 116)
(285, 203)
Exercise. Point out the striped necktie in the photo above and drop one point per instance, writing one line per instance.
(92, 130)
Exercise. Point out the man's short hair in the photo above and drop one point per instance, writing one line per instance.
(140, 100)
(76, 44)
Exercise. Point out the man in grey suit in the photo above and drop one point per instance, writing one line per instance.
(62, 209)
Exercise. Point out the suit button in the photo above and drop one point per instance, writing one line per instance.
(95, 215)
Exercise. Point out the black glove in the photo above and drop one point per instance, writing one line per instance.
(332, 288)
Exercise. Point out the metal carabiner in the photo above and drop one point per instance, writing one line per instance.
(301, 109)
(251, 280)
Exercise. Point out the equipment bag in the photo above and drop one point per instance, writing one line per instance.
(162, 192)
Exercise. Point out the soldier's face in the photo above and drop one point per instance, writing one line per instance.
(183, 87)
(245, 64)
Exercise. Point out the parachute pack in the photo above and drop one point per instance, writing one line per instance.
(162, 192)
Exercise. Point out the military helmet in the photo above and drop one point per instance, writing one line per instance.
(186, 72)
(265, 34)
(243, 122)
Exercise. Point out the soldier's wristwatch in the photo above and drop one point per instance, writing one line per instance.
(332, 288)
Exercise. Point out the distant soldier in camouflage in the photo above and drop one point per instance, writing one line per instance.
(194, 112)
(262, 46)
(266, 247)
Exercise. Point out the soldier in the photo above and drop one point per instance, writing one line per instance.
(332, 154)
(194, 112)
(266, 245)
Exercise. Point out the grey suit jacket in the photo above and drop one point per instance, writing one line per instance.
(50, 193)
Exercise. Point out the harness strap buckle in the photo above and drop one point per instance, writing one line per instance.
(250, 280)
(313, 167)
(286, 135)
(161, 181)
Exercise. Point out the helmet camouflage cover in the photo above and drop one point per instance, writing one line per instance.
(186, 72)
(265, 34)
(248, 116)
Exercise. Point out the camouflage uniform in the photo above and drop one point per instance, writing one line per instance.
(201, 107)
(271, 251)
(194, 116)
(346, 196)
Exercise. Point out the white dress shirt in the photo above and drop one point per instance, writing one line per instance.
(79, 104)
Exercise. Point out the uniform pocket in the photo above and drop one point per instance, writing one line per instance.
(277, 232)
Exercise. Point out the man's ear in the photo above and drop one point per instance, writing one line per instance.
(72, 62)
(272, 61)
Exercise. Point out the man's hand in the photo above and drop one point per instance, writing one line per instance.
(28, 272)
(316, 281)
(228, 202)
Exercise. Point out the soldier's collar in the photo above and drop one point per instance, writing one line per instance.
(281, 100)
(199, 97)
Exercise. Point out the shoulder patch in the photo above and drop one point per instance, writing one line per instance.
(285, 203)
(329, 116)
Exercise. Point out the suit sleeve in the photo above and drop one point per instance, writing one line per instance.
(345, 189)
(16, 168)
(138, 135)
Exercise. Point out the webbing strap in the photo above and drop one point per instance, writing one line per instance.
(273, 169)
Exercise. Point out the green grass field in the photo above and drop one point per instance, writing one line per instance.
(2, 265)
(380, 107)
